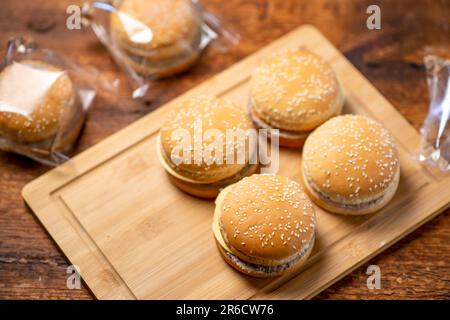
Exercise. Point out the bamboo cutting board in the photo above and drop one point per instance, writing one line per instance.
(114, 213)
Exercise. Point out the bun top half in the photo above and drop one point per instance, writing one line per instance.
(295, 90)
(194, 139)
(351, 159)
(266, 218)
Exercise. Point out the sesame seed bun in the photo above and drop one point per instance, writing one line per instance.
(205, 113)
(264, 225)
(286, 139)
(351, 165)
(294, 91)
(171, 42)
(33, 116)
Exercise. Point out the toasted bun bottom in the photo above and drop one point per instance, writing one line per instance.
(148, 67)
(359, 209)
(293, 143)
(260, 271)
(287, 139)
(210, 191)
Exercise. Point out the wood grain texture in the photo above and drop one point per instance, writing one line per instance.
(114, 213)
(417, 267)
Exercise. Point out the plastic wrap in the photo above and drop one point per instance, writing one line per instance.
(151, 39)
(43, 102)
(435, 146)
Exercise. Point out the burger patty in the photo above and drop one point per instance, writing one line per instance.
(257, 268)
(357, 206)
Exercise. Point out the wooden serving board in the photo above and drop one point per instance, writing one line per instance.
(114, 213)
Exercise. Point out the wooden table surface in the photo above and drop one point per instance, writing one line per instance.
(417, 267)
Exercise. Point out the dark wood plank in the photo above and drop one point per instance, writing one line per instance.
(31, 265)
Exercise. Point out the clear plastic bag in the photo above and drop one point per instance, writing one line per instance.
(152, 39)
(435, 146)
(43, 102)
